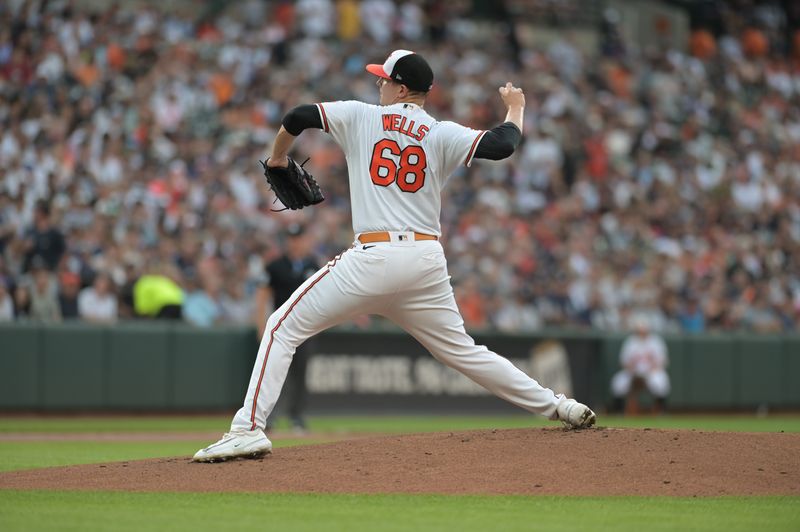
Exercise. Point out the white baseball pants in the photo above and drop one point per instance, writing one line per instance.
(657, 383)
(405, 281)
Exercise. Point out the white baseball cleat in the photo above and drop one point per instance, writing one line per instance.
(575, 415)
(236, 444)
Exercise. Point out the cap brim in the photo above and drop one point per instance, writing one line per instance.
(378, 71)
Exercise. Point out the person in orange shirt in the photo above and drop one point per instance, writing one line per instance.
(349, 23)
(222, 87)
(115, 56)
(87, 72)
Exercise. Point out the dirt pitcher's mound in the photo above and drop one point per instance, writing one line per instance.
(522, 461)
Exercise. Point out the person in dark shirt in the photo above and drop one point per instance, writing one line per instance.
(43, 240)
(282, 277)
(22, 302)
(70, 285)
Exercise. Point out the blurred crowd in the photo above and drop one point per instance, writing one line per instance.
(649, 181)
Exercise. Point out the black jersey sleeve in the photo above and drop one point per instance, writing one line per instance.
(301, 118)
(499, 142)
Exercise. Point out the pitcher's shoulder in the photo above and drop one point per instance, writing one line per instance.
(445, 128)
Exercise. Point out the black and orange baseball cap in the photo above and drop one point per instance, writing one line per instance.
(407, 68)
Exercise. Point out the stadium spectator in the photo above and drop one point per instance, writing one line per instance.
(157, 295)
(97, 303)
(6, 304)
(237, 308)
(69, 288)
(43, 240)
(43, 293)
(691, 316)
(202, 305)
(22, 303)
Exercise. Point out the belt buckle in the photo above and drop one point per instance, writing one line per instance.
(402, 238)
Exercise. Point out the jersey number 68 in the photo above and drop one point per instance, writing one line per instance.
(409, 176)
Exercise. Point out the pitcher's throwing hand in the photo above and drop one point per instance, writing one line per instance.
(512, 96)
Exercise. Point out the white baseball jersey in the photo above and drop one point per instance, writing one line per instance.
(398, 158)
(648, 359)
(644, 354)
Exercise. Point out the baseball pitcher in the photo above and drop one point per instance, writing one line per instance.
(398, 159)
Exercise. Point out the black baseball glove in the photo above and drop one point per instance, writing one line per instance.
(293, 185)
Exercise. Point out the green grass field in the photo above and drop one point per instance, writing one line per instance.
(390, 424)
(63, 510)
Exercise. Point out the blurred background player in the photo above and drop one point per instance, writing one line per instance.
(282, 277)
(644, 361)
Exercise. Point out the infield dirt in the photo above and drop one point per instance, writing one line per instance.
(599, 461)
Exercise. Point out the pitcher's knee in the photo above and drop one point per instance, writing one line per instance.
(621, 384)
(658, 384)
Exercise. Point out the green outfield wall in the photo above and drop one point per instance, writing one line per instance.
(149, 366)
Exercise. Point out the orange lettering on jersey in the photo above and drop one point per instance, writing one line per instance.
(408, 130)
(395, 122)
